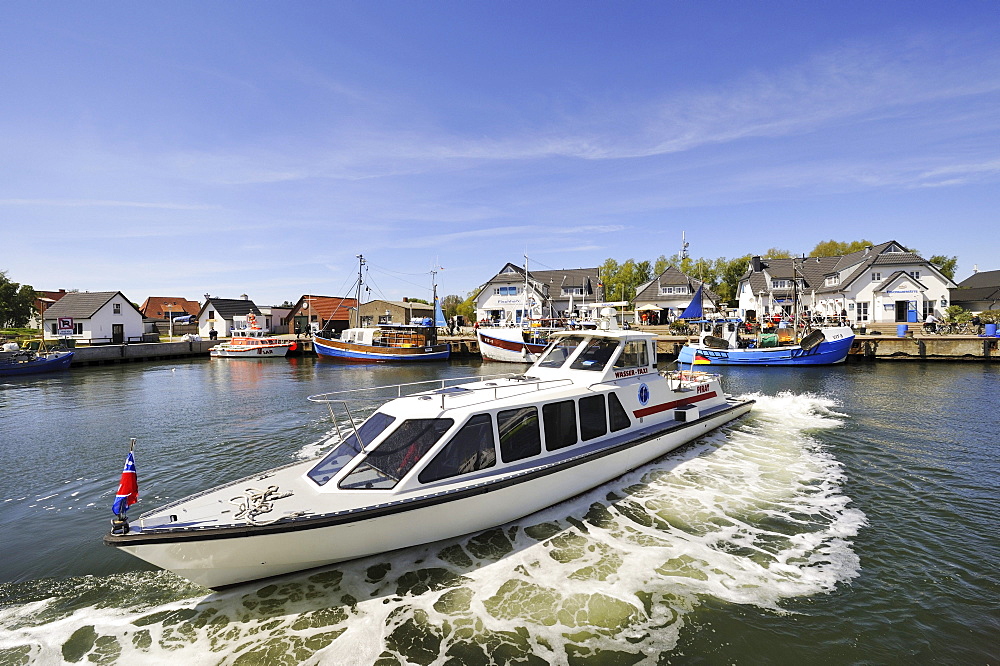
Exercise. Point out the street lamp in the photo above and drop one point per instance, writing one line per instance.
(170, 319)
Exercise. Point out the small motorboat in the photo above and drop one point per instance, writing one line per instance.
(441, 459)
(17, 361)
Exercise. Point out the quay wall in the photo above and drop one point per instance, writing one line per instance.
(146, 351)
(866, 348)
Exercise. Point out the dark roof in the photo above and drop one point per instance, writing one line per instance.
(82, 305)
(983, 279)
(671, 277)
(230, 307)
(551, 279)
(892, 278)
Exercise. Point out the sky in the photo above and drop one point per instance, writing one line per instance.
(226, 148)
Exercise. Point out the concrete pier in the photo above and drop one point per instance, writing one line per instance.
(918, 347)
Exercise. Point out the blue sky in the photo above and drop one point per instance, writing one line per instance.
(184, 148)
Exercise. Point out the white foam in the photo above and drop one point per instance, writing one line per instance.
(753, 514)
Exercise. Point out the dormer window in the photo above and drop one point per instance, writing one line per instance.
(832, 280)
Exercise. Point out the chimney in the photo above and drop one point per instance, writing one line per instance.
(756, 265)
(405, 299)
(975, 268)
(244, 297)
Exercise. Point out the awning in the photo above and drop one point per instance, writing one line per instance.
(648, 307)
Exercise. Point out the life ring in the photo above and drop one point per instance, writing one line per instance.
(252, 319)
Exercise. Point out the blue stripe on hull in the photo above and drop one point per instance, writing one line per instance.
(825, 353)
(334, 352)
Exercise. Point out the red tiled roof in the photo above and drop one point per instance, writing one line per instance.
(157, 307)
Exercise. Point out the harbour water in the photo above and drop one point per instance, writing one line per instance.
(850, 518)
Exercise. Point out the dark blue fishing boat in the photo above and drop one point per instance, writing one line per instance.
(26, 362)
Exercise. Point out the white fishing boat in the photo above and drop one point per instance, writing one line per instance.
(516, 344)
(439, 460)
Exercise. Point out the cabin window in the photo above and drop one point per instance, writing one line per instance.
(384, 466)
(593, 417)
(619, 417)
(560, 350)
(559, 419)
(470, 450)
(349, 447)
(634, 355)
(596, 355)
(519, 435)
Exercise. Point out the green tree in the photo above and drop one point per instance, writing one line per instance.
(946, 265)
(17, 303)
(450, 305)
(467, 308)
(662, 263)
(832, 248)
(729, 272)
(777, 253)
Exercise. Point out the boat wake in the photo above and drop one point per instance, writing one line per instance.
(753, 514)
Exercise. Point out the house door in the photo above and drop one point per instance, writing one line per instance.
(901, 307)
(117, 334)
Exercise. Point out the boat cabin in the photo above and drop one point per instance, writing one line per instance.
(568, 403)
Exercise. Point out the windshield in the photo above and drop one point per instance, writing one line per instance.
(390, 461)
(596, 355)
(560, 350)
(349, 447)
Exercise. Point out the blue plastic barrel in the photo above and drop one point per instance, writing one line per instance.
(991, 330)
(901, 330)
(911, 316)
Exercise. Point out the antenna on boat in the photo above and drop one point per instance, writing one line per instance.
(357, 301)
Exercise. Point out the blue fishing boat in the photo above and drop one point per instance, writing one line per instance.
(720, 342)
(416, 341)
(14, 361)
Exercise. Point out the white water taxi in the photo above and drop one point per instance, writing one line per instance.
(441, 459)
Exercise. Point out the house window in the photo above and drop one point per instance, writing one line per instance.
(915, 275)
(832, 280)
(116, 308)
(666, 290)
(876, 277)
(862, 312)
(779, 284)
(505, 291)
(572, 291)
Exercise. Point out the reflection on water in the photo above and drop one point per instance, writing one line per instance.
(793, 530)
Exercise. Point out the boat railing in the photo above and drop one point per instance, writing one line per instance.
(444, 388)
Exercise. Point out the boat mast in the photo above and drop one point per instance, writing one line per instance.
(357, 300)
(524, 296)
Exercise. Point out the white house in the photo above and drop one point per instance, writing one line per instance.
(511, 296)
(94, 317)
(667, 295)
(223, 315)
(881, 284)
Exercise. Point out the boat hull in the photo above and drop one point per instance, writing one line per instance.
(827, 352)
(495, 345)
(51, 363)
(349, 351)
(258, 352)
(231, 557)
